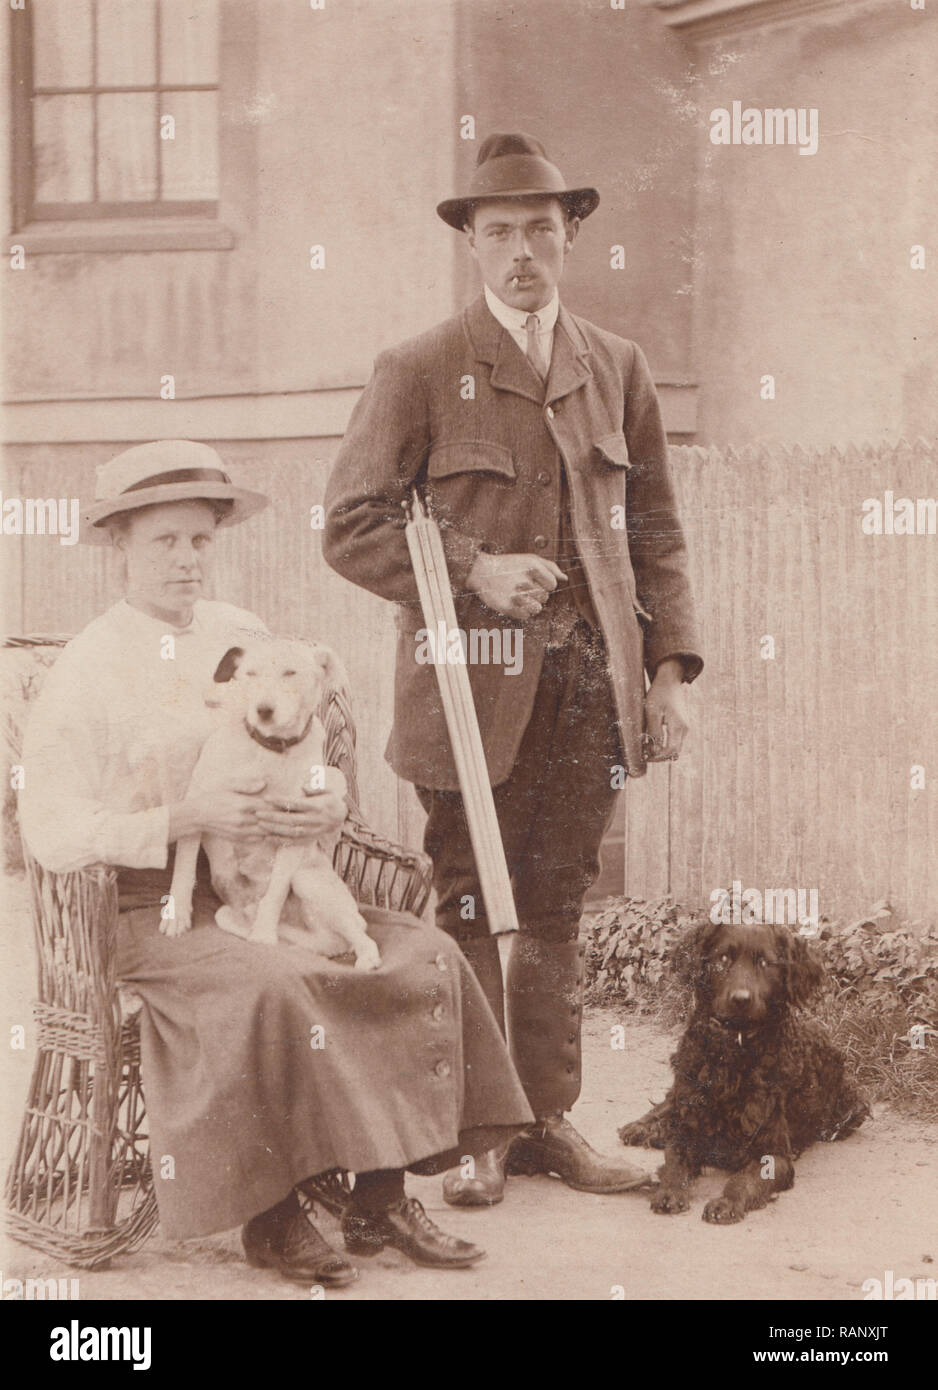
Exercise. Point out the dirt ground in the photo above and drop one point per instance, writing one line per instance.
(858, 1209)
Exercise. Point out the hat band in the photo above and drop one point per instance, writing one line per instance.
(181, 475)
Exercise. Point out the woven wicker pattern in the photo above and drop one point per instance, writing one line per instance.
(80, 1186)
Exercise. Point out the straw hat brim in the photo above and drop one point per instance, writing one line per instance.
(245, 504)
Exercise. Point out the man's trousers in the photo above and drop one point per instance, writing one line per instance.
(553, 811)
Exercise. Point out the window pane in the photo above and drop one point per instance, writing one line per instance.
(190, 161)
(189, 42)
(62, 146)
(61, 43)
(126, 43)
(127, 135)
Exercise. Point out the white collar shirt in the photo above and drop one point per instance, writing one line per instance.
(513, 320)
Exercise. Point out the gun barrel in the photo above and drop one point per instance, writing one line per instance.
(436, 600)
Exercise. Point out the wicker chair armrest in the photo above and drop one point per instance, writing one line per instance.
(75, 918)
(381, 873)
(82, 1141)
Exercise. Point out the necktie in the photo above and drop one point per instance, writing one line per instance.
(536, 353)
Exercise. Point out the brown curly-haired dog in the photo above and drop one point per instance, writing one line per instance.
(754, 1083)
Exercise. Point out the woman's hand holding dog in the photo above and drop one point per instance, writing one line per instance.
(231, 811)
(238, 812)
(313, 816)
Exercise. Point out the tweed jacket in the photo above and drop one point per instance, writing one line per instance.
(460, 412)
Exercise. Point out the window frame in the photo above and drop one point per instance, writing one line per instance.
(130, 225)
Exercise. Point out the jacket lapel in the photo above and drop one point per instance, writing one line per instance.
(511, 370)
(569, 364)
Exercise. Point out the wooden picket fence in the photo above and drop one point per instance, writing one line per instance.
(800, 768)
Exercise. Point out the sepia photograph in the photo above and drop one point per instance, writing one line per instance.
(469, 525)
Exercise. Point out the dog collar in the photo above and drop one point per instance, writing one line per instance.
(727, 1027)
(278, 745)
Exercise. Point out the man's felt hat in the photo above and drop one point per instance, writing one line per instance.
(516, 166)
(170, 470)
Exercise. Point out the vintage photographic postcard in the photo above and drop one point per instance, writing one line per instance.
(469, 531)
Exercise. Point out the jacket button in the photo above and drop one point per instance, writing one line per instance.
(540, 542)
(571, 1038)
(570, 1068)
(442, 963)
(543, 478)
(442, 1070)
(550, 412)
(438, 1012)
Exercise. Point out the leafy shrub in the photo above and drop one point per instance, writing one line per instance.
(881, 1003)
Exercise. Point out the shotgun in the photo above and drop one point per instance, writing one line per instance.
(436, 601)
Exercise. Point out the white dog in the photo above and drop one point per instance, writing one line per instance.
(272, 730)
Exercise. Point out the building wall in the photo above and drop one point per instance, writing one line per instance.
(605, 91)
(324, 122)
(804, 260)
(334, 131)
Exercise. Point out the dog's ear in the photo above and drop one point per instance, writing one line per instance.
(333, 671)
(228, 665)
(689, 957)
(804, 972)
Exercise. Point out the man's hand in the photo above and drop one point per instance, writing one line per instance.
(666, 713)
(517, 586)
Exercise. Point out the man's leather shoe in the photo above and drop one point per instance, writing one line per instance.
(486, 1187)
(407, 1227)
(553, 1146)
(297, 1250)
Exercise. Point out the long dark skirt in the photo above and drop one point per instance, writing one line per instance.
(265, 1065)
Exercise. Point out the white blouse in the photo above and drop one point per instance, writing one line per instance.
(116, 731)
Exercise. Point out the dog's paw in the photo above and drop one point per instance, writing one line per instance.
(667, 1201)
(722, 1211)
(641, 1134)
(367, 957)
(178, 924)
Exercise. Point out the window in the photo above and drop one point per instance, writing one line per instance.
(116, 110)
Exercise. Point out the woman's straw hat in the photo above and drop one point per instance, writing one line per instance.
(169, 470)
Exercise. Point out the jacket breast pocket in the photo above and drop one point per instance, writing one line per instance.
(613, 449)
(470, 456)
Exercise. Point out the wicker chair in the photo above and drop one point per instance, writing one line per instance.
(80, 1186)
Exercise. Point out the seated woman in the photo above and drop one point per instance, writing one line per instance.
(242, 1106)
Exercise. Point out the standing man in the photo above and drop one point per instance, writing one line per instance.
(537, 439)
